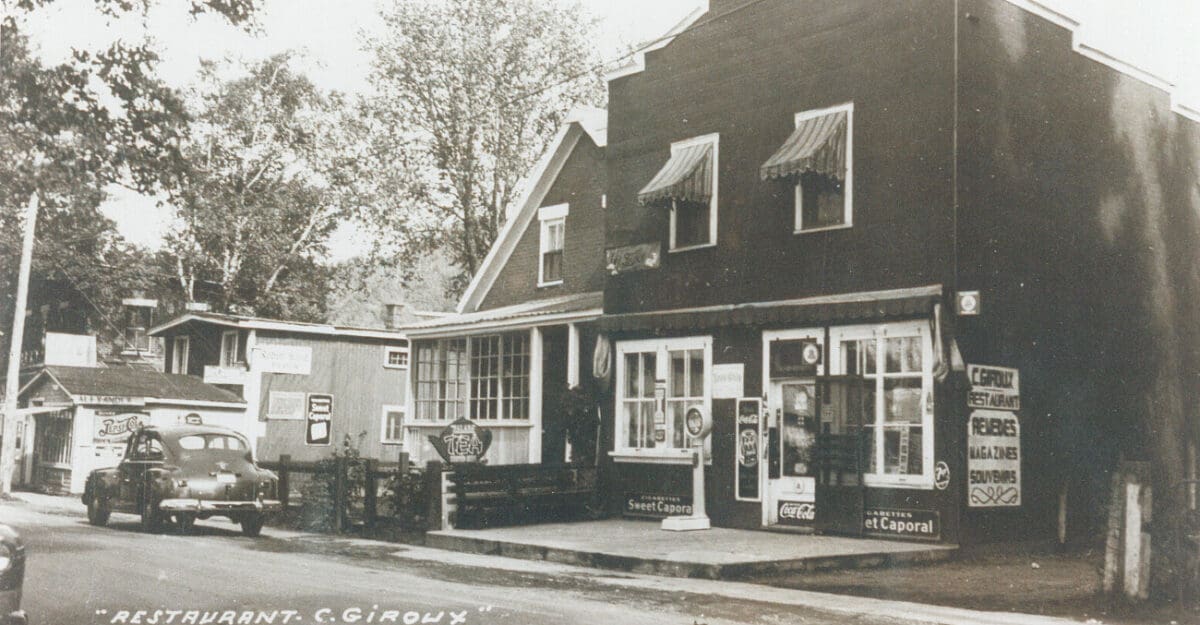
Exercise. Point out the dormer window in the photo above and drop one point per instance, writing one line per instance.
(687, 185)
(553, 231)
(818, 158)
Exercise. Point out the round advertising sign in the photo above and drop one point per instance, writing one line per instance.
(811, 354)
(698, 422)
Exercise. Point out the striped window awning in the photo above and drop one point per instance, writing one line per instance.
(687, 176)
(818, 144)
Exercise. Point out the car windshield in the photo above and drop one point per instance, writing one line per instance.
(211, 441)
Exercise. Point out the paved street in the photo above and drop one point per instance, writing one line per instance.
(81, 574)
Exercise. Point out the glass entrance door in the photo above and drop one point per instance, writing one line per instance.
(791, 443)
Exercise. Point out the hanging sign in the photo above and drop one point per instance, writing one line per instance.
(749, 433)
(795, 358)
(993, 459)
(319, 426)
(994, 388)
(462, 442)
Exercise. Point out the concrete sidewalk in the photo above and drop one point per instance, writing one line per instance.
(718, 553)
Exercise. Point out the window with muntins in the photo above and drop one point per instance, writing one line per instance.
(395, 357)
(480, 377)
(229, 349)
(392, 427)
(552, 243)
(682, 365)
(823, 199)
(137, 320)
(896, 360)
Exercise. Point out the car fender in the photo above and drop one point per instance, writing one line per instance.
(100, 482)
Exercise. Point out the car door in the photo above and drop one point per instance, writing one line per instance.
(130, 473)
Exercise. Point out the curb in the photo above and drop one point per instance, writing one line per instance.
(674, 568)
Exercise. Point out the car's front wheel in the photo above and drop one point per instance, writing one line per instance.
(97, 511)
(252, 525)
(151, 516)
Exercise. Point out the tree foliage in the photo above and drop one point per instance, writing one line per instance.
(70, 129)
(260, 190)
(467, 94)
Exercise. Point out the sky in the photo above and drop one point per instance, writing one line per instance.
(1162, 36)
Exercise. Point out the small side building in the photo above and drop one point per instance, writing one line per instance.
(80, 418)
(308, 387)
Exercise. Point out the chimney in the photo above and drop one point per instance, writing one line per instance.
(393, 315)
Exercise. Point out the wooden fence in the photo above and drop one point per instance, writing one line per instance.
(346, 491)
(518, 494)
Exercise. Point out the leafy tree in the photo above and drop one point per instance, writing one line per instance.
(258, 195)
(67, 131)
(467, 94)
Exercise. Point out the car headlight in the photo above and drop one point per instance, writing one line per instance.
(6, 557)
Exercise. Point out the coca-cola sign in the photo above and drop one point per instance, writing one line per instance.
(797, 512)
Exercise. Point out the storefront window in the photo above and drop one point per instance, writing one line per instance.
(483, 378)
(679, 367)
(896, 359)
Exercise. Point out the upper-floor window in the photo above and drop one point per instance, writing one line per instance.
(395, 357)
(139, 316)
(687, 186)
(552, 222)
(818, 159)
(179, 354)
(229, 349)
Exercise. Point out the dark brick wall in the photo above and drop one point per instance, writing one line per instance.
(581, 185)
(745, 76)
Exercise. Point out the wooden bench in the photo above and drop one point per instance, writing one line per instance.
(494, 496)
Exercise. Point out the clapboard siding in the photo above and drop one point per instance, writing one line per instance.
(353, 372)
(580, 184)
(745, 77)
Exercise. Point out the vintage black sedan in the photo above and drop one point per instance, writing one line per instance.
(12, 576)
(183, 473)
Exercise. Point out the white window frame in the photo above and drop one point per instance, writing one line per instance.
(847, 185)
(180, 352)
(388, 350)
(383, 423)
(468, 397)
(549, 216)
(919, 328)
(221, 359)
(662, 348)
(715, 140)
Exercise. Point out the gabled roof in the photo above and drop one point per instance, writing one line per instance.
(575, 307)
(534, 187)
(130, 382)
(260, 323)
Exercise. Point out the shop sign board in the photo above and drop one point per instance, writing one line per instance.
(993, 459)
(894, 522)
(728, 381)
(462, 442)
(319, 426)
(795, 358)
(294, 359)
(657, 506)
(111, 426)
(110, 400)
(285, 405)
(640, 257)
(994, 388)
(796, 512)
(749, 434)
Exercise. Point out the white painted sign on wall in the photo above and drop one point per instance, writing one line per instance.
(993, 459)
(728, 381)
(295, 359)
(285, 405)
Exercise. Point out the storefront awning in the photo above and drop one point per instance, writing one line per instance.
(687, 176)
(816, 145)
(859, 307)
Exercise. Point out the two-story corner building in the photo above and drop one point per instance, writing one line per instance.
(799, 196)
(514, 346)
(307, 387)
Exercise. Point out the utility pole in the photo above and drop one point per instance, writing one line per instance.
(8, 450)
